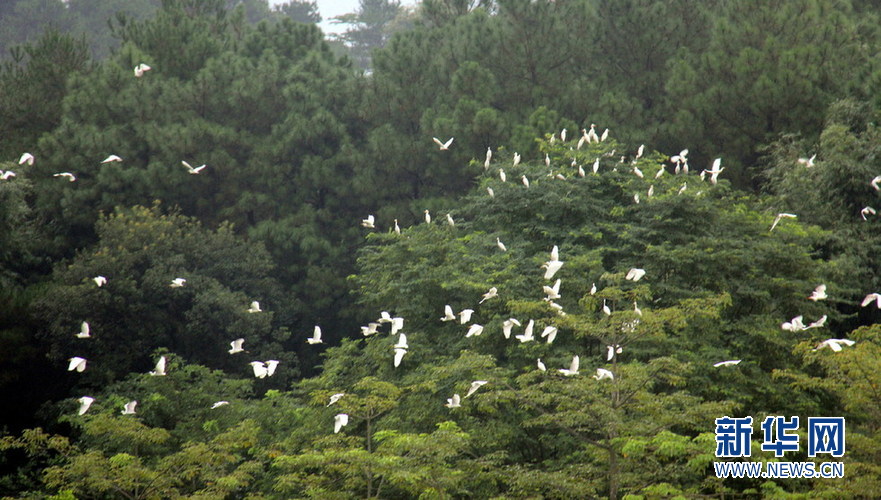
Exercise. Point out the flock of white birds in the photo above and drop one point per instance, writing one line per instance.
(267, 368)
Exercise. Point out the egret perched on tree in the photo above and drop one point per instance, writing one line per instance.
(255, 307)
(316, 336)
(397, 227)
(612, 350)
(489, 155)
(541, 366)
(596, 165)
(606, 310)
(490, 192)
(427, 216)
(603, 373)
(516, 159)
(444, 146)
(524, 180)
(501, 245)
(573, 367)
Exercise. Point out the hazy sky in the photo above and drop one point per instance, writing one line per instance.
(332, 8)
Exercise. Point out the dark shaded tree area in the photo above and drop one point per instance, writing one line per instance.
(296, 144)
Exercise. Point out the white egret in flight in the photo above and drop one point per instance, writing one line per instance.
(191, 170)
(508, 325)
(473, 330)
(876, 297)
(339, 421)
(493, 292)
(255, 307)
(129, 408)
(67, 175)
(77, 363)
(219, 404)
(336, 397)
(399, 355)
(550, 332)
(111, 159)
(808, 162)
(834, 344)
(867, 211)
(85, 403)
(140, 69)
(573, 367)
(612, 350)
(448, 314)
(316, 336)
(635, 274)
(271, 364)
(100, 280)
(26, 158)
(781, 216)
(527, 334)
(477, 384)
(443, 145)
(368, 222)
(84, 332)
(453, 402)
(819, 293)
(177, 282)
(603, 373)
(236, 346)
(160, 368)
(465, 315)
(727, 363)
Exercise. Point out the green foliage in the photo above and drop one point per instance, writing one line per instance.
(140, 252)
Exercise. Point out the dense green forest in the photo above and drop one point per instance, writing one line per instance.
(464, 249)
